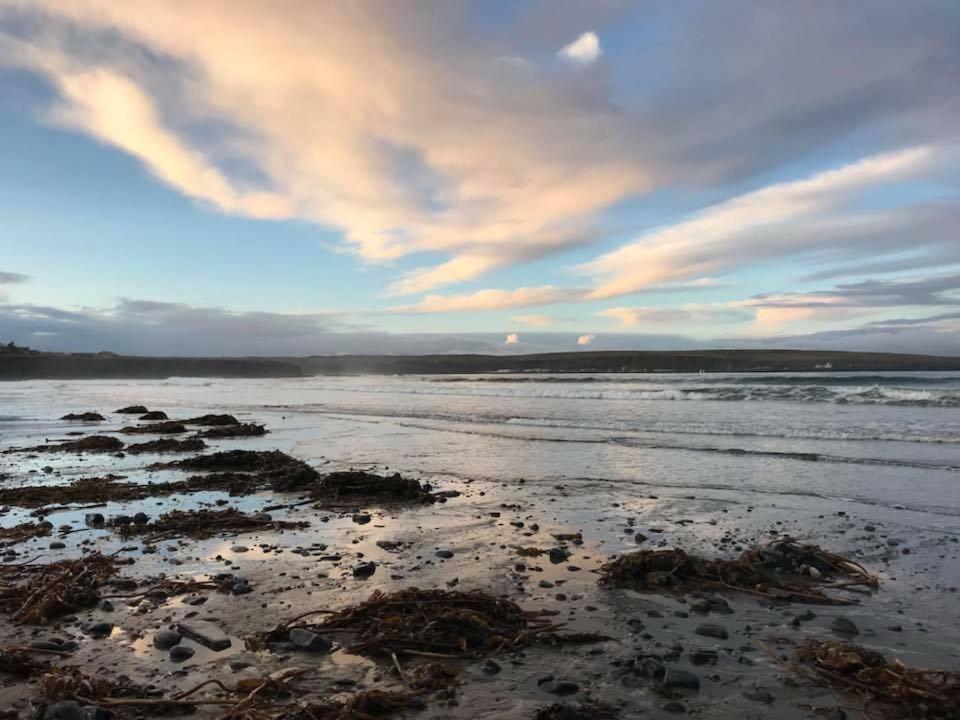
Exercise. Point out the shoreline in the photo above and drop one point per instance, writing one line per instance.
(483, 527)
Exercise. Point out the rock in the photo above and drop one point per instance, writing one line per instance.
(65, 710)
(98, 629)
(309, 641)
(561, 687)
(545, 584)
(674, 707)
(239, 549)
(45, 645)
(491, 667)
(195, 600)
(165, 639)
(700, 605)
(57, 545)
(105, 605)
(241, 588)
(133, 410)
(238, 665)
(844, 626)
(205, 633)
(361, 518)
(263, 517)
(94, 519)
(154, 415)
(141, 518)
(703, 656)
(365, 570)
(445, 554)
(558, 555)
(85, 417)
(712, 630)
(179, 653)
(680, 679)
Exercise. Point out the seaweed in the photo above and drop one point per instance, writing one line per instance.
(782, 570)
(212, 420)
(133, 410)
(165, 445)
(22, 662)
(234, 431)
(428, 623)
(84, 417)
(91, 443)
(271, 468)
(169, 427)
(23, 531)
(355, 487)
(154, 415)
(37, 594)
(887, 689)
(200, 524)
(85, 490)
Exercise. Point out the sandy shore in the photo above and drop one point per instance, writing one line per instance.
(469, 541)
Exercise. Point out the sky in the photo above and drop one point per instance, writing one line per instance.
(240, 177)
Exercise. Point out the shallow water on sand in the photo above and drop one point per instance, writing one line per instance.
(865, 465)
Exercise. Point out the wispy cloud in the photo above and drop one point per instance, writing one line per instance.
(12, 278)
(748, 228)
(493, 300)
(631, 317)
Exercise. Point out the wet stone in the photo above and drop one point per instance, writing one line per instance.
(166, 639)
(179, 653)
(561, 687)
(65, 710)
(45, 645)
(365, 570)
(205, 633)
(844, 626)
(105, 606)
(309, 641)
(361, 518)
(98, 629)
(712, 630)
(445, 554)
(680, 679)
(57, 545)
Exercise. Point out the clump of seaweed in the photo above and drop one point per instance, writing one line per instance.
(356, 487)
(154, 415)
(91, 443)
(358, 706)
(212, 420)
(199, 524)
(586, 711)
(86, 490)
(23, 531)
(234, 431)
(783, 570)
(272, 469)
(170, 427)
(890, 689)
(133, 410)
(167, 445)
(38, 593)
(22, 662)
(84, 417)
(429, 623)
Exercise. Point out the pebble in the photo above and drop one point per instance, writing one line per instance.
(712, 630)
(57, 545)
(365, 570)
(239, 549)
(674, 707)
(680, 679)
(491, 667)
(844, 626)
(361, 518)
(309, 641)
(445, 554)
(106, 606)
(165, 639)
(179, 653)
(45, 645)
(98, 629)
(65, 710)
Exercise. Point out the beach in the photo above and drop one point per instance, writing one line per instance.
(864, 465)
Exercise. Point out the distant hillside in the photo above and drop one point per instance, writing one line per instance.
(27, 365)
(107, 365)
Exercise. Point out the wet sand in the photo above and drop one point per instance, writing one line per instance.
(912, 616)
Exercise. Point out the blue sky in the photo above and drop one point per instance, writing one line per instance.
(498, 177)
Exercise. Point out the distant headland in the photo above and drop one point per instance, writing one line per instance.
(22, 363)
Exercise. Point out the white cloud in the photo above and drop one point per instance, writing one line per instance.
(512, 339)
(584, 50)
(749, 227)
(534, 320)
(493, 300)
(586, 339)
(407, 137)
(629, 317)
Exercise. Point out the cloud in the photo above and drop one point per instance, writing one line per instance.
(936, 290)
(512, 339)
(12, 278)
(483, 300)
(585, 49)
(534, 320)
(403, 129)
(750, 227)
(635, 316)
(585, 340)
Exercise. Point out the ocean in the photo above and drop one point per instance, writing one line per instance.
(813, 441)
